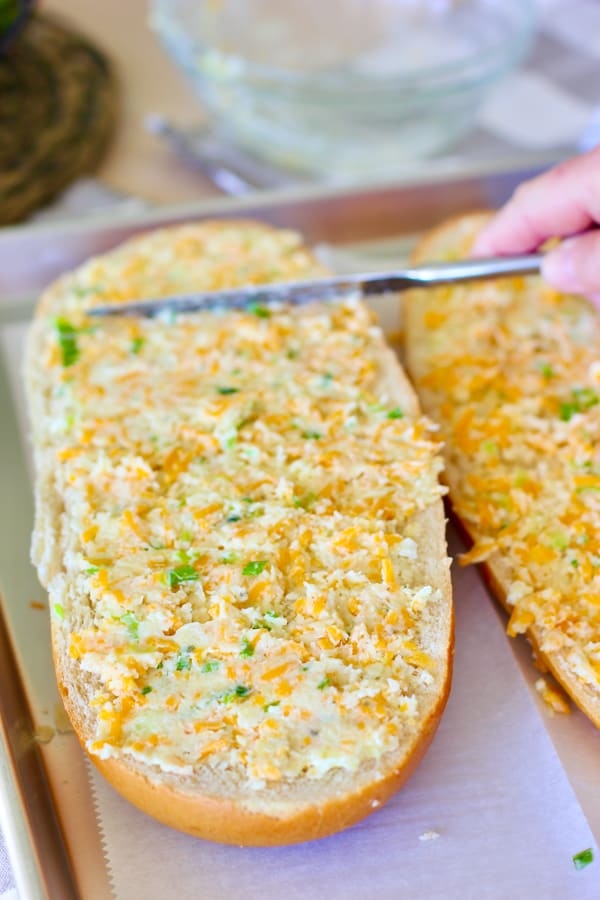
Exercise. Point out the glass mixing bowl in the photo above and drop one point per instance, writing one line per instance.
(344, 88)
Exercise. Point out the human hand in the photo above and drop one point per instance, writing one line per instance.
(559, 203)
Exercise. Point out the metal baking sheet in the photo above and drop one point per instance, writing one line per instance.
(46, 807)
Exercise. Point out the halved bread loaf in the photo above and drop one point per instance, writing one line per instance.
(510, 369)
(238, 521)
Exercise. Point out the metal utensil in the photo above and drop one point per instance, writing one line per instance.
(331, 288)
(233, 170)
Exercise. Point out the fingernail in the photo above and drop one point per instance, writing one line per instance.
(558, 268)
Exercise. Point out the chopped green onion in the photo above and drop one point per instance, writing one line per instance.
(247, 648)
(323, 684)
(255, 567)
(261, 311)
(395, 413)
(312, 435)
(261, 623)
(233, 518)
(546, 370)
(228, 390)
(228, 557)
(268, 706)
(184, 663)
(583, 399)
(211, 665)
(91, 570)
(583, 858)
(306, 501)
(129, 620)
(182, 573)
(59, 610)
(490, 447)
(240, 691)
(146, 689)
(559, 540)
(137, 344)
(586, 397)
(67, 339)
(567, 411)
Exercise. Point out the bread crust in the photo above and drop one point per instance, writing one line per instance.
(495, 569)
(228, 822)
(297, 811)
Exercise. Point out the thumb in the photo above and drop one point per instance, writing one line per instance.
(574, 266)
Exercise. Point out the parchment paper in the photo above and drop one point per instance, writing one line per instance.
(491, 786)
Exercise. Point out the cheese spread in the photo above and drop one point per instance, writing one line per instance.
(239, 505)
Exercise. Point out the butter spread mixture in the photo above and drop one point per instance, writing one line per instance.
(514, 374)
(239, 502)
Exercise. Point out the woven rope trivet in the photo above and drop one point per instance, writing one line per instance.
(57, 114)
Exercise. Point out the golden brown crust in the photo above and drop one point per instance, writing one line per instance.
(495, 570)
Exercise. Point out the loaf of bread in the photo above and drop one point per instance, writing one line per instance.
(239, 524)
(510, 369)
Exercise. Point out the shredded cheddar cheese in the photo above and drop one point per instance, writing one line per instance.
(239, 494)
(512, 370)
(554, 699)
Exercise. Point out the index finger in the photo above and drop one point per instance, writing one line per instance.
(558, 203)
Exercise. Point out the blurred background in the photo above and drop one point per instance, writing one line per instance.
(164, 101)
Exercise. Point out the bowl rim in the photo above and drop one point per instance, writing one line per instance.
(502, 55)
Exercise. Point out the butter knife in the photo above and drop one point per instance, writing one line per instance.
(329, 288)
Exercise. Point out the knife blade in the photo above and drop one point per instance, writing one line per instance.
(325, 289)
